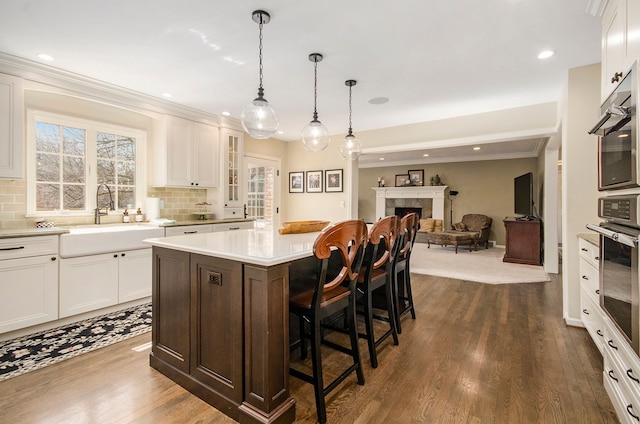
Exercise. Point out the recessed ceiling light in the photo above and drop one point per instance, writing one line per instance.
(225, 113)
(425, 155)
(379, 100)
(476, 148)
(167, 95)
(381, 158)
(46, 57)
(545, 54)
(280, 132)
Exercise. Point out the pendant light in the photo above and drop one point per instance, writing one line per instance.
(315, 136)
(350, 147)
(259, 119)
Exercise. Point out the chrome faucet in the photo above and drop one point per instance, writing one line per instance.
(98, 214)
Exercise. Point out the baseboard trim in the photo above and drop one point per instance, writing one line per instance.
(574, 322)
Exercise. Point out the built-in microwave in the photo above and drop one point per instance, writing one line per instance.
(617, 131)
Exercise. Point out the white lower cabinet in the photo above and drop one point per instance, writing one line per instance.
(621, 375)
(97, 281)
(29, 288)
(134, 275)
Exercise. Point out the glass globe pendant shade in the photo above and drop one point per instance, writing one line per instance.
(315, 136)
(259, 119)
(350, 148)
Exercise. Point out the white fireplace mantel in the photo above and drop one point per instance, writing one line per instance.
(437, 193)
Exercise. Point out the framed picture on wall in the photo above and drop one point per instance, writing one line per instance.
(402, 180)
(333, 180)
(416, 176)
(296, 182)
(314, 181)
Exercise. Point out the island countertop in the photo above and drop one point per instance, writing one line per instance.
(257, 246)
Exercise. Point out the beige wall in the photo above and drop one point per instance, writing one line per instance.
(335, 206)
(484, 187)
(579, 177)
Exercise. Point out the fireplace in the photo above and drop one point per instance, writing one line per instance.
(405, 211)
(428, 200)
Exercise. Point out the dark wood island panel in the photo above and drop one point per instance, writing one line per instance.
(220, 330)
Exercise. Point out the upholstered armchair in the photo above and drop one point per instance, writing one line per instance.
(476, 223)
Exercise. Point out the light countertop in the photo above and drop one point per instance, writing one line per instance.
(592, 238)
(258, 246)
(205, 221)
(32, 232)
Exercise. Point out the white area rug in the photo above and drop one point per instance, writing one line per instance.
(483, 266)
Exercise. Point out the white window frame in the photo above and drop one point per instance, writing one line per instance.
(91, 128)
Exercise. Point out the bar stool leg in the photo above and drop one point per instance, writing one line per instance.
(316, 363)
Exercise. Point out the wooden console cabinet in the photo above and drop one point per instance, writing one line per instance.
(523, 244)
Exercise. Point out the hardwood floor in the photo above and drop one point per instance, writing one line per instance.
(477, 353)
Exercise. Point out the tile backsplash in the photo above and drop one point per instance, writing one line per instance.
(179, 203)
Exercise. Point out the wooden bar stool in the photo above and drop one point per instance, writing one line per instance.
(409, 225)
(377, 271)
(315, 297)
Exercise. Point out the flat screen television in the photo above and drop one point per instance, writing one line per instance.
(523, 196)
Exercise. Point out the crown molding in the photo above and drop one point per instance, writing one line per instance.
(100, 91)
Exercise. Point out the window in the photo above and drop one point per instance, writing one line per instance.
(70, 158)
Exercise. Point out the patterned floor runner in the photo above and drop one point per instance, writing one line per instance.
(35, 351)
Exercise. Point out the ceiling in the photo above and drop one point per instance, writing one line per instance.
(432, 60)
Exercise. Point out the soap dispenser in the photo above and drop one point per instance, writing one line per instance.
(139, 215)
(125, 216)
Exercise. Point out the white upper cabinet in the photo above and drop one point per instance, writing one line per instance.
(620, 41)
(187, 155)
(232, 152)
(11, 127)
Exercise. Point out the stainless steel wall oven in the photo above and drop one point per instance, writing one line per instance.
(619, 285)
(618, 166)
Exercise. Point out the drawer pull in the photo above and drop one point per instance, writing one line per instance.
(598, 291)
(630, 375)
(584, 277)
(611, 376)
(610, 343)
(597, 258)
(191, 232)
(12, 248)
(53, 258)
(584, 311)
(599, 333)
(234, 228)
(629, 409)
(584, 249)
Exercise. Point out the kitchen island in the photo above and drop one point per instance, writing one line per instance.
(221, 318)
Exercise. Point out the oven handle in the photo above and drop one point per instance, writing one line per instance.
(624, 113)
(617, 237)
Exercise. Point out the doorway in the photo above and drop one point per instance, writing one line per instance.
(262, 194)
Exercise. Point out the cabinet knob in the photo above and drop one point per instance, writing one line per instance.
(53, 258)
(115, 255)
(122, 254)
(616, 77)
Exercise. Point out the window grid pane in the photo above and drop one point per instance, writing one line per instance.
(60, 158)
(117, 167)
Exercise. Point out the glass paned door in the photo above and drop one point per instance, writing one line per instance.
(261, 190)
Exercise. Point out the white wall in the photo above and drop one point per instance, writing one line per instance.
(579, 177)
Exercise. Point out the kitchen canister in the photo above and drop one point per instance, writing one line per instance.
(152, 208)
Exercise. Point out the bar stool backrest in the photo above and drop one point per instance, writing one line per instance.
(349, 238)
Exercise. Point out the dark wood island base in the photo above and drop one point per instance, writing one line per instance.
(221, 331)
